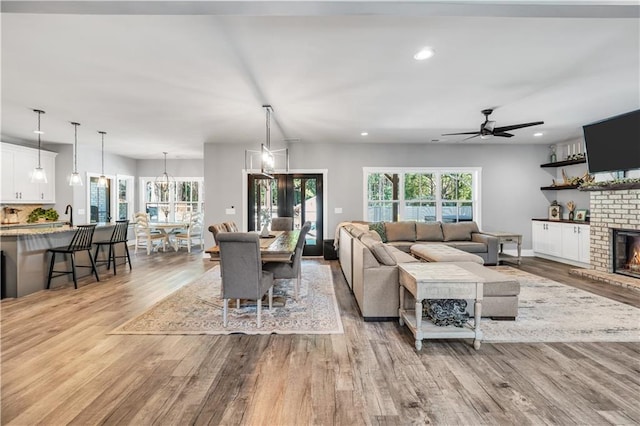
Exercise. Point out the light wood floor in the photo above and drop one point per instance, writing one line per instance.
(59, 366)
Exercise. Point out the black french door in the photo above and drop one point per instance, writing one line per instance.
(295, 195)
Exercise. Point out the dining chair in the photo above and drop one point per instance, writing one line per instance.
(241, 271)
(216, 229)
(81, 241)
(231, 227)
(283, 223)
(145, 236)
(118, 236)
(193, 232)
(283, 271)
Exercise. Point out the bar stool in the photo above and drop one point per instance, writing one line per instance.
(81, 241)
(119, 236)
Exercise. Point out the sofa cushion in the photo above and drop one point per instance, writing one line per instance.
(383, 254)
(468, 246)
(373, 235)
(356, 231)
(401, 231)
(379, 228)
(460, 231)
(400, 256)
(430, 231)
(405, 246)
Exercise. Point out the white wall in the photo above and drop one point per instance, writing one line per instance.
(511, 178)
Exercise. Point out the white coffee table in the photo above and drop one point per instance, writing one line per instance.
(439, 281)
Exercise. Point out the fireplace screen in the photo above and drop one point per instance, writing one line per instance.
(626, 252)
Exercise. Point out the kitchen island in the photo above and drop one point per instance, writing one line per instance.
(26, 259)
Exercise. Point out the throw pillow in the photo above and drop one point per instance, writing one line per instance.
(379, 228)
(383, 255)
(443, 312)
(431, 231)
(400, 231)
(460, 231)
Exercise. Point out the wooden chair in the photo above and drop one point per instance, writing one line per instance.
(216, 229)
(119, 236)
(241, 271)
(145, 236)
(282, 224)
(193, 232)
(81, 241)
(291, 270)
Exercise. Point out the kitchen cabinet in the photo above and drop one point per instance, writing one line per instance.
(567, 242)
(18, 163)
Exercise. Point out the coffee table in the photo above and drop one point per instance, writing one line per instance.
(507, 237)
(439, 281)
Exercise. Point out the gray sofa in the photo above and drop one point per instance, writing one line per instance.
(370, 265)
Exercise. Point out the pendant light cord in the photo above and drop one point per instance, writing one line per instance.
(39, 133)
(75, 148)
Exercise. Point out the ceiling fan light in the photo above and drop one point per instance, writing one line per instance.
(424, 53)
(538, 134)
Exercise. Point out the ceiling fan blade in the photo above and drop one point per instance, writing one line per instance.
(470, 137)
(503, 134)
(516, 126)
(464, 133)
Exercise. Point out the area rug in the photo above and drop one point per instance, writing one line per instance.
(196, 308)
(553, 312)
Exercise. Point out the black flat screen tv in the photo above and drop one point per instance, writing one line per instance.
(613, 144)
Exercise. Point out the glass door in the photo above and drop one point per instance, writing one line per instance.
(295, 195)
(99, 201)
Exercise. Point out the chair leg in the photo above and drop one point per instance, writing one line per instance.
(149, 246)
(297, 286)
(93, 267)
(53, 261)
(126, 249)
(225, 307)
(112, 256)
(73, 269)
(259, 305)
(188, 245)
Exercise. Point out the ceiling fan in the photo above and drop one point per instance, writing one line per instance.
(488, 129)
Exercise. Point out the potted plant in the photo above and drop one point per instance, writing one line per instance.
(40, 215)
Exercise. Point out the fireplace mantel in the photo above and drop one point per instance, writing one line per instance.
(611, 186)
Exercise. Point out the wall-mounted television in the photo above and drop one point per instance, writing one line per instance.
(613, 144)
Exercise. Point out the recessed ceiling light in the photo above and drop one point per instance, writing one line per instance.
(538, 134)
(364, 134)
(424, 53)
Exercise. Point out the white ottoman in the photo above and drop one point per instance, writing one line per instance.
(443, 253)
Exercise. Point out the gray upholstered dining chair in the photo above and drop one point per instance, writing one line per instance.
(216, 230)
(284, 223)
(291, 270)
(241, 271)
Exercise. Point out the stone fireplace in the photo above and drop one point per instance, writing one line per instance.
(615, 225)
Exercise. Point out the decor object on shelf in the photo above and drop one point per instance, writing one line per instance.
(626, 183)
(555, 211)
(267, 155)
(75, 179)
(581, 215)
(571, 206)
(39, 175)
(552, 155)
(102, 180)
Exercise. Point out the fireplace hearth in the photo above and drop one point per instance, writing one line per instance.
(626, 252)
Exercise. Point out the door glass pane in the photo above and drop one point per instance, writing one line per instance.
(310, 208)
(100, 201)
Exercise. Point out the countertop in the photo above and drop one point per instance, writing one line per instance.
(41, 228)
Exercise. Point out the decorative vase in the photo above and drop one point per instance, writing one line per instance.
(571, 215)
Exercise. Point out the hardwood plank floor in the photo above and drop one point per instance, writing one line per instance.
(60, 366)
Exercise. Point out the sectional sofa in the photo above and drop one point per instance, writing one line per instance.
(369, 259)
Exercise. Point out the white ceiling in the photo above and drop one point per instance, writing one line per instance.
(170, 76)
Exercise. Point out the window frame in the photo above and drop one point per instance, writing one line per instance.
(142, 202)
(476, 184)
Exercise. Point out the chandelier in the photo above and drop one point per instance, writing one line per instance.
(267, 156)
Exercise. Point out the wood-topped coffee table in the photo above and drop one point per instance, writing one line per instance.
(439, 281)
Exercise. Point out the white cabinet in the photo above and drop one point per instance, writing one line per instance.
(547, 238)
(564, 242)
(18, 163)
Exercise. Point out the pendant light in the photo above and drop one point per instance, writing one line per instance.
(38, 175)
(75, 179)
(163, 182)
(267, 155)
(102, 180)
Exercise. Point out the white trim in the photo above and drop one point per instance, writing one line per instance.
(131, 192)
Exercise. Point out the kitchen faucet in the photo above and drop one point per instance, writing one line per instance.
(69, 210)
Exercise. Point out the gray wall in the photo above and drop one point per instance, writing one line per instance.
(511, 178)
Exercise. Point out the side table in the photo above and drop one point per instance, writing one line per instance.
(439, 281)
(507, 237)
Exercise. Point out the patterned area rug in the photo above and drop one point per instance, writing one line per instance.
(554, 312)
(196, 308)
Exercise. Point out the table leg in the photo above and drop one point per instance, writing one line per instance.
(401, 307)
(477, 308)
(519, 251)
(418, 314)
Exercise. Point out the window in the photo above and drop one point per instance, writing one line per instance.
(172, 202)
(424, 195)
(125, 197)
(99, 199)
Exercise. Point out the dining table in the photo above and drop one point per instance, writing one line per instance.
(279, 246)
(167, 227)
